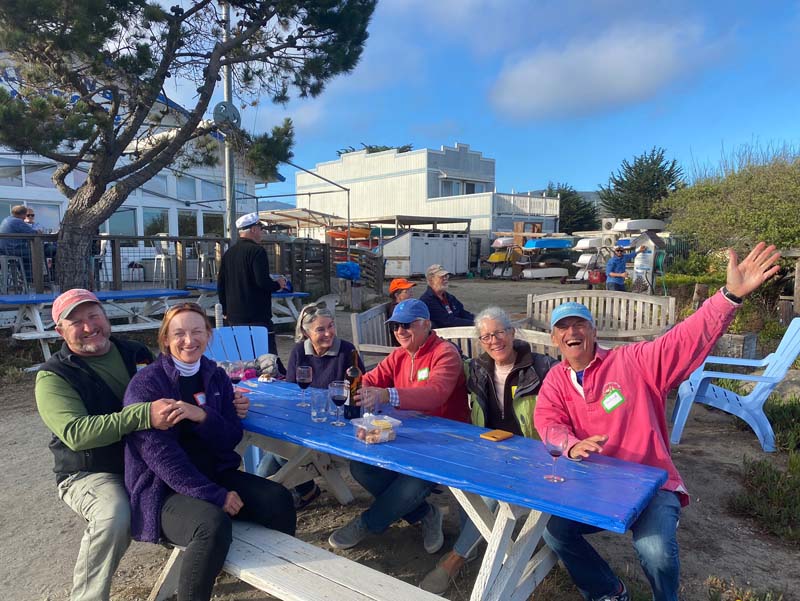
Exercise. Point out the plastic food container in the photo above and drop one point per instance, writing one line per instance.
(373, 429)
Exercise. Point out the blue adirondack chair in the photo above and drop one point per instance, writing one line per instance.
(240, 343)
(750, 407)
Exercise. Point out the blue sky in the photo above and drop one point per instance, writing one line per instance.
(562, 90)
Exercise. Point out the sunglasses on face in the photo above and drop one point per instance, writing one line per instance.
(30, 215)
(395, 325)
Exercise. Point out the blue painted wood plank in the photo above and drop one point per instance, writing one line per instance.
(600, 491)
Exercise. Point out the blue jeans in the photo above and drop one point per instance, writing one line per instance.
(616, 287)
(470, 536)
(396, 496)
(653, 538)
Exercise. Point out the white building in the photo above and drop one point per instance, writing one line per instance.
(451, 182)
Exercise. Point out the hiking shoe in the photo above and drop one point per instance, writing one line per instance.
(301, 502)
(432, 536)
(349, 535)
(621, 595)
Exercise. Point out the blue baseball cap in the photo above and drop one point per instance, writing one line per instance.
(570, 310)
(409, 310)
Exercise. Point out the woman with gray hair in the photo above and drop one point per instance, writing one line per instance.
(319, 347)
(503, 383)
(329, 356)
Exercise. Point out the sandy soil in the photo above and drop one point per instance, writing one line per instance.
(39, 535)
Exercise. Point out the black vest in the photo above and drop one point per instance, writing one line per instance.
(98, 399)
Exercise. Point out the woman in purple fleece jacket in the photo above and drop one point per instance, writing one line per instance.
(184, 482)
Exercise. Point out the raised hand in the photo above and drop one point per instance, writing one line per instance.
(754, 270)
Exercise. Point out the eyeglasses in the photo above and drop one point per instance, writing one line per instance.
(31, 215)
(499, 335)
(396, 325)
(619, 250)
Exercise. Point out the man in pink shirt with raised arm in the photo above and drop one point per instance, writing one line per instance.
(614, 403)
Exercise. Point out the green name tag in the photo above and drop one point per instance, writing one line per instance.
(423, 374)
(612, 400)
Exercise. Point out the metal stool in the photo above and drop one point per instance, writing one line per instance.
(12, 275)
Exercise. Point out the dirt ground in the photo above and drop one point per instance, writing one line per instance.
(39, 535)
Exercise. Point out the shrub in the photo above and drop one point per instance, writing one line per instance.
(771, 497)
(784, 416)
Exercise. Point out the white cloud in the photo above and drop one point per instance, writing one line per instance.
(623, 66)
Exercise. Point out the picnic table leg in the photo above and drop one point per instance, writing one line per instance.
(510, 569)
(167, 582)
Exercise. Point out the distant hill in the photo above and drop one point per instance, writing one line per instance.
(273, 205)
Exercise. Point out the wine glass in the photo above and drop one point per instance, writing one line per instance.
(235, 370)
(556, 439)
(303, 377)
(338, 391)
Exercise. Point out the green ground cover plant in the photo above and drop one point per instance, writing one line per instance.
(770, 496)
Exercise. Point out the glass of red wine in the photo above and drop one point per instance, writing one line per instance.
(303, 377)
(556, 439)
(338, 391)
(235, 371)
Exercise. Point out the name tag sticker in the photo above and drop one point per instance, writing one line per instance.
(423, 374)
(612, 399)
(200, 398)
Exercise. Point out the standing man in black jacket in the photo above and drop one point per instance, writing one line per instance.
(244, 285)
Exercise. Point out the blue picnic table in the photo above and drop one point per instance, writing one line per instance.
(285, 305)
(32, 321)
(601, 491)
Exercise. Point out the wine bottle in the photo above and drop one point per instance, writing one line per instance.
(353, 377)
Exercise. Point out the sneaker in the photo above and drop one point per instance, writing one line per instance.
(621, 595)
(432, 536)
(349, 535)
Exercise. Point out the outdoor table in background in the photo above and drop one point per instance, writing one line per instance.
(600, 491)
(33, 321)
(285, 305)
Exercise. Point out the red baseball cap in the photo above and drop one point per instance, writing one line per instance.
(70, 299)
(400, 284)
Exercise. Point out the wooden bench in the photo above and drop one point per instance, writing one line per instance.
(468, 344)
(370, 334)
(290, 569)
(618, 315)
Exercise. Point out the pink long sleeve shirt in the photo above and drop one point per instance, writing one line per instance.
(430, 380)
(625, 389)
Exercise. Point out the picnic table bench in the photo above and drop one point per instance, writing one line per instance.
(291, 569)
(618, 315)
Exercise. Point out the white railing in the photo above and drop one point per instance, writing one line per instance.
(522, 204)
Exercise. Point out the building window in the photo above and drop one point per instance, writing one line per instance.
(451, 187)
(156, 221)
(39, 175)
(212, 190)
(213, 224)
(186, 187)
(5, 208)
(156, 186)
(123, 223)
(10, 172)
(48, 216)
(187, 223)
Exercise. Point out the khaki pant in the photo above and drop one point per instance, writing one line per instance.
(101, 500)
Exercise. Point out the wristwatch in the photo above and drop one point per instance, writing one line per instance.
(737, 300)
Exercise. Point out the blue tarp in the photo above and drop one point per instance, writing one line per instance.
(348, 271)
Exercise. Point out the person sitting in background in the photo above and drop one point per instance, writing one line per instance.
(329, 356)
(616, 271)
(503, 383)
(425, 374)
(399, 290)
(30, 219)
(614, 402)
(17, 247)
(445, 309)
(184, 483)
